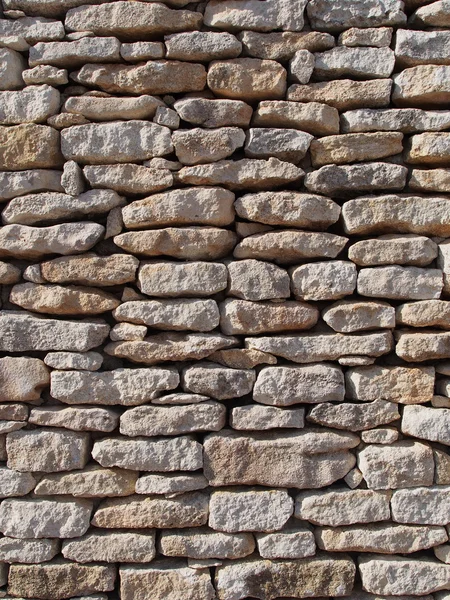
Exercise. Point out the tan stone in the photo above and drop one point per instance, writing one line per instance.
(195, 146)
(111, 547)
(354, 417)
(91, 482)
(348, 316)
(109, 109)
(282, 45)
(29, 147)
(171, 279)
(425, 313)
(22, 378)
(417, 347)
(351, 147)
(408, 249)
(429, 148)
(202, 542)
(128, 178)
(422, 86)
(344, 94)
(313, 117)
(211, 112)
(430, 180)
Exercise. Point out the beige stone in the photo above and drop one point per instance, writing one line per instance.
(75, 53)
(430, 180)
(421, 505)
(33, 104)
(128, 178)
(310, 458)
(351, 147)
(436, 14)
(257, 280)
(29, 146)
(91, 482)
(203, 543)
(194, 146)
(261, 418)
(211, 112)
(408, 249)
(429, 148)
(423, 86)
(348, 316)
(314, 117)
(328, 280)
(171, 279)
(25, 182)
(242, 358)
(427, 423)
(282, 45)
(400, 283)
(425, 313)
(111, 547)
(109, 109)
(170, 483)
(377, 37)
(417, 347)
(290, 543)
(354, 417)
(138, 51)
(13, 550)
(91, 418)
(22, 378)
(326, 15)
(13, 483)
(217, 382)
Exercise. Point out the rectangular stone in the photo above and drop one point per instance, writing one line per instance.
(75, 54)
(422, 505)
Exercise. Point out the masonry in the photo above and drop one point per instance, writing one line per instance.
(225, 299)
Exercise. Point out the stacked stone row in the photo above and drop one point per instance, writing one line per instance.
(225, 315)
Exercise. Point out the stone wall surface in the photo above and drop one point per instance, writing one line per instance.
(225, 299)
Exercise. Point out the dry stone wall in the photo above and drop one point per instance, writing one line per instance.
(225, 299)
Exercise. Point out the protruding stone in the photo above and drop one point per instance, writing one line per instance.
(422, 86)
(218, 382)
(111, 547)
(171, 279)
(313, 117)
(301, 66)
(310, 458)
(328, 280)
(360, 63)
(209, 112)
(400, 283)
(354, 417)
(109, 109)
(406, 249)
(348, 316)
(22, 378)
(29, 146)
(352, 147)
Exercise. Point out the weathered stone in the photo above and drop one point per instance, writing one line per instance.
(400, 465)
(422, 505)
(182, 314)
(443, 262)
(381, 435)
(310, 384)
(166, 279)
(111, 547)
(33, 518)
(191, 243)
(406, 120)
(413, 347)
(115, 142)
(429, 148)
(342, 506)
(14, 184)
(33, 104)
(60, 579)
(209, 112)
(396, 213)
(427, 423)
(256, 280)
(13, 483)
(143, 454)
(282, 45)
(344, 94)
(75, 54)
(171, 483)
(427, 313)
(23, 332)
(290, 246)
(27, 551)
(72, 179)
(414, 48)
(153, 77)
(240, 317)
(8, 426)
(313, 117)
(90, 269)
(128, 178)
(135, 512)
(254, 417)
(422, 86)
(293, 209)
(45, 74)
(326, 15)
(386, 539)
(400, 283)
(329, 280)
(301, 66)
(430, 180)
(245, 509)
(9, 273)
(183, 582)
(127, 331)
(22, 378)
(348, 316)
(378, 37)
(286, 144)
(138, 51)
(203, 543)
(319, 576)
(29, 146)
(290, 543)
(203, 46)
(126, 387)
(75, 418)
(314, 347)
(14, 411)
(129, 21)
(342, 181)
(218, 382)
(407, 249)
(351, 147)
(360, 63)
(232, 15)
(194, 146)
(310, 458)
(436, 14)
(167, 116)
(32, 29)
(242, 358)
(173, 420)
(354, 417)
(91, 482)
(110, 109)
(396, 575)
(248, 173)
(12, 64)
(404, 385)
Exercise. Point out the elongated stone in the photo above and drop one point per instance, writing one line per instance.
(391, 575)
(29, 146)
(60, 579)
(129, 21)
(414, 48)
(364, 63)
(185, 583)
(170, 483)
(421, 505)
(111, 547)
(403, 464)
(406, 120)
(35, 518)
(342, 506)
(232, 15)
(142, 454)
(23, 332)
(109, 109)
(348, 316)
(22, 378)
(26, 182)
(191, 243)
(404, 385)
(319, 576)
(313, 347)
(171, 279)
(418, 347)
(354, 417)
(422, 86)
(135, 512)
(310, 384)
(37, 29)
(282, 45)
(409, 249)
(254, 417)
(286, 144)
(301, 459)
(386, 539)
(187, 206)
(173, 420)
(75, 419)
(314, 117)
(126, 387)
(351, 147)
(290, 543)
(325, 15)
(378, 37)
(34, 104)
(13, 550)
(290, 246)
(201, 543)
(194, 146)
(218, 382)
(128, 178)
(292, 209)
(400, 283)
(327, 280)
(240, 317)
(427, 423)
(76, 53)
(247, 509)
(202, 46)
(90, 482)
(397, 214)
(12, 65)
(209, 112)
(425, 313)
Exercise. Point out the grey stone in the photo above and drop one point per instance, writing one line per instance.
(13, 483)
(301, 66)
(13, 550)
(257, 280)
(325, 15)
(170, 483)
(408, 249)
(209, 112)
(360, 63)
(430, 180)
(400, 283)
(171, 279)
(218, 382)
(421, 505)
(406, 120)
(427, 423)
(414, 48)
(422, 86)
(194, 146)
(282, 45)
(72, 179)
(328, 280)
(45, 74)
(12, 64)
(261, 418)
(91, 418)
(354, 417)
(290, 543)
(82, 361)
(34, 104)
(436, 14)
(203, 46)
(286, 144)
(76, 53)
(14, 184)
(203, 543)
(31, 29)
(138, 51)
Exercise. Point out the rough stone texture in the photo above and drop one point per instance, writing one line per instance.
(109, 109)
(91, 482)
(406, 249)
(329, 280)
(355, 417)
(314, 117)
(421, 505)
(425, 85)
(111, 547)
(326, 15)
(204, 543)
(29, 146)
(348, 316)
(352, 147)
(400, 283)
